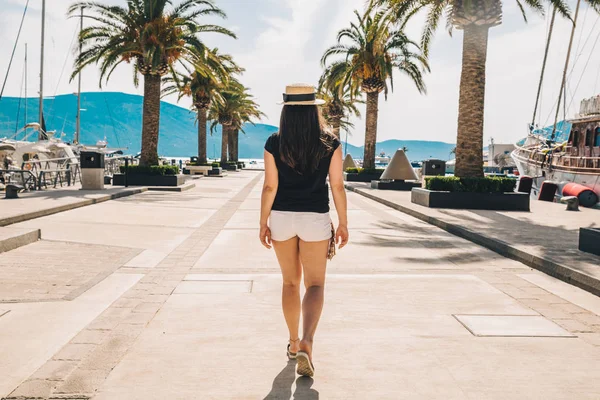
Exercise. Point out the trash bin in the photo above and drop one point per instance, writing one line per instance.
(92, 170)
(434, 168)
(525, 184)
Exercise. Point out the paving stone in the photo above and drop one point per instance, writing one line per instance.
(147, 308)
(89, 336)
(74, 351)
(82, 381)
(55, 370)
(573, 325)
(33, 389)
(587, 318)
(591, 338)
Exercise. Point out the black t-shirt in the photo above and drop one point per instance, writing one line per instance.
(300, 192)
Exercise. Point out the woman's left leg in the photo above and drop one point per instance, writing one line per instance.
(291, 270)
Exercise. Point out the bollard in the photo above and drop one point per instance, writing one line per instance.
(126, 168)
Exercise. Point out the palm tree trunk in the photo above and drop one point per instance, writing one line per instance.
(230, 144)
(469, 140)
(235, 140)
(224, 141)
(151, 120)
(371, 130)
(202, 135)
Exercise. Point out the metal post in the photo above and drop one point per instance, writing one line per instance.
(126, 168)
(78, 125)
(25, 89)
(41, 114)
(537, 99)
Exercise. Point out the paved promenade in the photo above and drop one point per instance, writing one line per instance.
(171, 296)
(546, 238)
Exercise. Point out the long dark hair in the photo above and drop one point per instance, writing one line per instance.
(304, 138)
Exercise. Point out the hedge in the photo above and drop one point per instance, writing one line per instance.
(364, 170)
(492, 184)
(151, 170)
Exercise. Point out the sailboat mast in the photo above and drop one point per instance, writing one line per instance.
(539, 91)
(78, 126)
(564, 79)
(41, 107)
(26, 86)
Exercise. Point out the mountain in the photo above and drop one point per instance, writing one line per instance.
(118, 118)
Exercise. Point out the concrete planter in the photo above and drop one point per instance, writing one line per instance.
(215, 171)
(589, 240)
(356, 177)
(394, 185)
(230, 167)
(148, 180)
(199, 169)
(511, 201)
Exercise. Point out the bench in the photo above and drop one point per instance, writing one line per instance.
(12, 191)
(572, 202)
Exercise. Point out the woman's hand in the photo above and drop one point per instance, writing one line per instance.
(341, 236)
(265, 235)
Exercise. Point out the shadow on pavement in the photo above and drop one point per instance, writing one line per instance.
(282, 385)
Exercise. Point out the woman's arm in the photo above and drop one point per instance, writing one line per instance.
(336, 180)
(267, 198)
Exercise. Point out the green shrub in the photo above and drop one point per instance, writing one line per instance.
(215, 164)
(493, 184)
(198, 164)
(364, 170)
(150, 170)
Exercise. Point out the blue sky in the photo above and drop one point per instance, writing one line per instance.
(281, 41)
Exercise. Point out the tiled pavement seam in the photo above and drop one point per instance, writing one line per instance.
(571, 317)
(80, 367)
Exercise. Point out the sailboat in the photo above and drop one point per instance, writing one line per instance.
(569, 150)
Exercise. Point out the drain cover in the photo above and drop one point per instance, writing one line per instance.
(214, 286)
(511, 325)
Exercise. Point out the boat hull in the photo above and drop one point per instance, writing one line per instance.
(555, 174)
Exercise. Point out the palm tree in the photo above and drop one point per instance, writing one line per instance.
(224, 113)
(209, 75)
(154, 35)
(246, 111)
(340, 101)
(373, 51)
(475, 18)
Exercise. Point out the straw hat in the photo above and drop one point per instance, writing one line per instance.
(301, 94)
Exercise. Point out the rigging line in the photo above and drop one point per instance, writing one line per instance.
(51, 108)
(581, 32)
(596, 83)
(585, 67)
(584, 45)
(14, 48)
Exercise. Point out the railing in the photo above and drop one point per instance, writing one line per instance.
(561, 160)
(39, 174)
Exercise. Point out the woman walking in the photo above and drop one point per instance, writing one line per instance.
(294, 216)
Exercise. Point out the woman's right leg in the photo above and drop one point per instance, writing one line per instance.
(291, 271)
(314, 261)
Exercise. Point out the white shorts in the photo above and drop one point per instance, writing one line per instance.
(308, 226)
